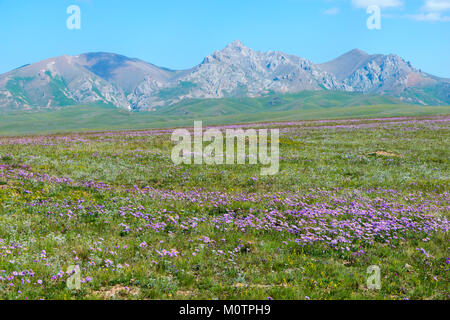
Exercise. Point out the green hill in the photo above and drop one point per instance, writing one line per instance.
(273, 107)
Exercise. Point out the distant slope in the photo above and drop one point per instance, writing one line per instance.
(126, 73)
(59, 81)
(343, 66)
(301, 106)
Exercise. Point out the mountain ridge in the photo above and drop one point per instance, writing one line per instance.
(235, 71)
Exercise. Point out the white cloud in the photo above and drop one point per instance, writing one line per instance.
(430, 16)
(380, 3)
(436, 5)
(332, 11)
(432, 11)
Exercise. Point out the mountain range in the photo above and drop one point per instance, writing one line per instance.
(236, 71)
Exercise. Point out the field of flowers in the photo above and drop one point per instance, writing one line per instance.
(349, 194)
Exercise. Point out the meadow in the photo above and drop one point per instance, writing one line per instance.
(350, 193)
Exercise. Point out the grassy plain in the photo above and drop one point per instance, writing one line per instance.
(349, 194)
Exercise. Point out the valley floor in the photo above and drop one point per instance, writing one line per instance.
(350, 194)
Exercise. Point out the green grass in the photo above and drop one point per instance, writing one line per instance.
(302, 101)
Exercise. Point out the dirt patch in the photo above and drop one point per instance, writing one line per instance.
(117, 292)
(260, 286)
(185, 293)
(385, 154)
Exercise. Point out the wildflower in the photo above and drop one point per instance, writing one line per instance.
(424, 252)
(143, 244)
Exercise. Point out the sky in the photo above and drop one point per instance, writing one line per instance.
(178, 34)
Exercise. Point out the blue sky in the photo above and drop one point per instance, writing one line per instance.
(178, 33)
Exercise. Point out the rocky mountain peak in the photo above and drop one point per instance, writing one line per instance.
(235, 49)
(236, 44)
